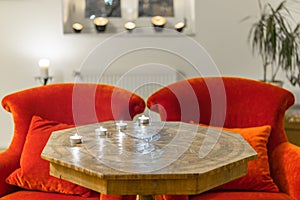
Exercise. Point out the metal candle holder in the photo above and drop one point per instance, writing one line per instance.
(43, 80)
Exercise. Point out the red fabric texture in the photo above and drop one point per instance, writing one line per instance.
(230, 195)
(6, 167)
(117, 197)
(171, 197)
(241, 196)
(225, 102)
(258, 177)
(36, 195)
(66, 103)
(34, 171)
(285, 163)
(235, 103)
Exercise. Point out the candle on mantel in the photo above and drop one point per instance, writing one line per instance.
(44, 68)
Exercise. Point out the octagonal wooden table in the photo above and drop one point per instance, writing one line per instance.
(159, 158)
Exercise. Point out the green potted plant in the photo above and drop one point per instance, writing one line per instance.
(273, 38)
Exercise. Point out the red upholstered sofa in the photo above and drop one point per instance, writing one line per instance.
(252, 108)
(38, 111)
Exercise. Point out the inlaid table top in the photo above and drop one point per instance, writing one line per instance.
(159, 158)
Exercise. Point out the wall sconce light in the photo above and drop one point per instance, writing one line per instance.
(77, 27)
(44, 71)
(179, 26)
(100, 23)
(158, 22)
(129, 26)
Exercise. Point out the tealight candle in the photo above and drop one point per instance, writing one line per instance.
(100, 23)
(143, 119)
(101, 131)
(121, 125)
(77, 27)
(179, 26)
(44, 67)
(75, 139)
(158, 22)
(129, 26)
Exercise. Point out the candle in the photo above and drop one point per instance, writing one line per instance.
(129, 26)
(101, 131)
(77, 27)
(100, 23)
(179, 26)
(44, 71)
(44, 68)
(143, 119)
(158, 21)
(121, 125)
(75, 139)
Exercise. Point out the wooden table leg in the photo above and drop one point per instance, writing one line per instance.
(145, 197)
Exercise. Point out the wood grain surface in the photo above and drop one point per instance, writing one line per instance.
(159, 158)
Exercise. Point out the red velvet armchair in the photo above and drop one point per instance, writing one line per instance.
(237, 104)
(58, 105)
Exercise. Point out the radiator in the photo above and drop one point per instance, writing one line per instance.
(141, 84)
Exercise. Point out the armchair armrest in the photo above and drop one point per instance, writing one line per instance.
(9, 162)
(285, 168)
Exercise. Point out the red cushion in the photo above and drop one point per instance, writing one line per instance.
(258, 177)
(30, 195)
(241, 196)
(34, 171)
(230, 195)
(117, 197)
(36, 195)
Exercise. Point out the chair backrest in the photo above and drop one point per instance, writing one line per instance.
(225, 101)
(71, 103)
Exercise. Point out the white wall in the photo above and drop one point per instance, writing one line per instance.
(32, 29)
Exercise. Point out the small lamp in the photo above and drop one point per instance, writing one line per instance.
(44, 70)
